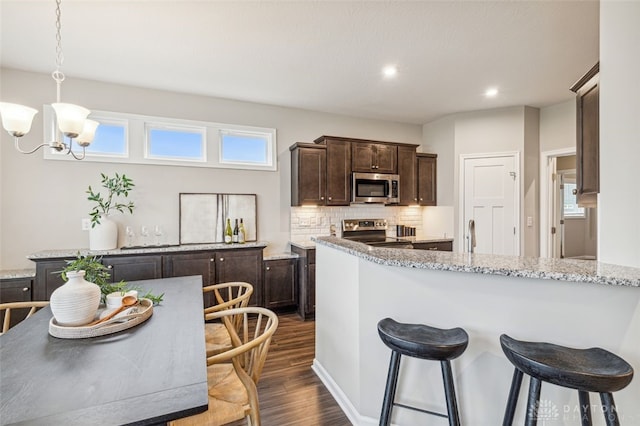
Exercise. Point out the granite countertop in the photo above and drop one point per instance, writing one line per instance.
(12, 274)
(306, 245)
(280, 256)
(587, 271)
(71, 253)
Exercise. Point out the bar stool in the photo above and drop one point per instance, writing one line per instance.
(421, 341)
(586, 370)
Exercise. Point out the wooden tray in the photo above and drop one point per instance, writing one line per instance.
(114, 325)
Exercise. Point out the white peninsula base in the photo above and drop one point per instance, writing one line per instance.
(353, 294)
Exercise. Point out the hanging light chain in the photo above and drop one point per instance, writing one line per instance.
(58, 75)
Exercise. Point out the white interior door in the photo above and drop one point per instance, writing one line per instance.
(490, 185)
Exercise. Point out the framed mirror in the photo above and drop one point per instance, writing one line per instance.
(203, 216)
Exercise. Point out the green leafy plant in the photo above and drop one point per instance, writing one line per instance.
(116, 186)
(97, 273)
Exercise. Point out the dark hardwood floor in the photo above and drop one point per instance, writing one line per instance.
(290, 392)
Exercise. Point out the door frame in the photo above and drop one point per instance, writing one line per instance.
(546, 196)
(461, 194)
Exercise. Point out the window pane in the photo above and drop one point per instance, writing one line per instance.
(243, 148)
(571, 208)
(181, 144)
(109, 139)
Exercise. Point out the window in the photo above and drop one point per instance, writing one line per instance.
(110, 139)
(571, 208)
(246, 148)
(140, 139)
(175, 143)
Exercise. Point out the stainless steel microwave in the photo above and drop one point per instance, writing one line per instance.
(375, 188)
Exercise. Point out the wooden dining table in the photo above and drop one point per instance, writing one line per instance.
(146, 375)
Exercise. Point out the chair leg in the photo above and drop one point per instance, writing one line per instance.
(609, 408)
(450, 393)
(390, 389)
(533, 402)
(585, 408)
(512, 401)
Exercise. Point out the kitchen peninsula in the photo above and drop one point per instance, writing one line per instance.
(574, 303)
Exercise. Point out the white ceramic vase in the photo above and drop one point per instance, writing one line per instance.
(104, 236)
(76, 301)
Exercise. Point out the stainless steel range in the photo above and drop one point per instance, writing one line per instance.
(372, 232)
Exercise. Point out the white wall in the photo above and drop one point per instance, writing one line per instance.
(490, 131)
(619, 199)
(42, 202)
(558, 126)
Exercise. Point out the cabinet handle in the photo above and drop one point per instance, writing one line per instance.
(433, 248)
(109, 266)
(212, 260)
(329, 198)
(25, 289)
(415, 199)
(322, 198)
(268, 268)
(222, 259)
(421, 199)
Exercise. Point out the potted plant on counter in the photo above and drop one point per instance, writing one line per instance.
(104, 231)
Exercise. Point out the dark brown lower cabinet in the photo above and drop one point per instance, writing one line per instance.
(133, 268)
(306, 281)
(280, 283)
(15, 290)
(241, 265)
(183, 265)
(439, 246)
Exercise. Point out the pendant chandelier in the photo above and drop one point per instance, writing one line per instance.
(71, 120)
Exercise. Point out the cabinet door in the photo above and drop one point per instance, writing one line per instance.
(588, 137)
(386, 158)
(427, 179)
(47, 278)
(363, 158)
(435, 246)
(308, 176)
(133, 268)
(241, 265)
(182, 265)
(374, 158)
(15, 290)
(407, 173)
(311, 289)
(279, 283)
(338, 173)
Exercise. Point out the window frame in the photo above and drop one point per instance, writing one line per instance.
(150, 125)
(136, 141)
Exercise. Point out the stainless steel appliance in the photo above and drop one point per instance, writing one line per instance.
(375, 188)
(372, 232)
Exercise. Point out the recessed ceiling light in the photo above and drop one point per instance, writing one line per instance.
(491, 92)
(390, 71)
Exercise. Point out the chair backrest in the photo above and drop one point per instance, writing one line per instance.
(229, 295)
(7, 307)
(250, 341)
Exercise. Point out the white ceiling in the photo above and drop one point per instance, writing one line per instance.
(318, 55)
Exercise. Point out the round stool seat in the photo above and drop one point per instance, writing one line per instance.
(423, 341)
(589, 370)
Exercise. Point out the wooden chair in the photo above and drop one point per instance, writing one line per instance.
(233, 393)
(7, 307)
(231, 295)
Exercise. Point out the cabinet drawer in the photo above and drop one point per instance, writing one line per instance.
(435, 246)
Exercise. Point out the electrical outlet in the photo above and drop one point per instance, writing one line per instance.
(529, 221)
(86, 224)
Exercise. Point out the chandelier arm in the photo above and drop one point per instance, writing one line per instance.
(73, 154)
(17, 144)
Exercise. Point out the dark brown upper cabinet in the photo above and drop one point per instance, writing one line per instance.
(374, 158)
(308, 174)
(587, 91)
(426, 179)
(338, 187)
(407, 172)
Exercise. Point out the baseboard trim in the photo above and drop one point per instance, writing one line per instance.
(345, 404)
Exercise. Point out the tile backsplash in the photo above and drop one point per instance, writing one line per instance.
(307, 222)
